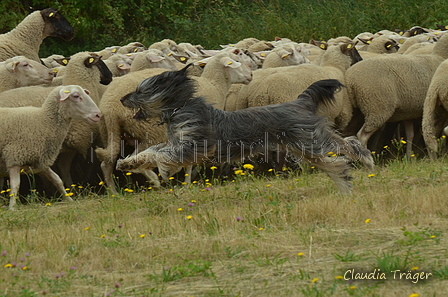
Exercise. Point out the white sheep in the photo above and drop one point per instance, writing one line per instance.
(32, 136)
(132, 47)
(25, 39)
(284, 84)
(87, 70)
(435, 109)
(285, 55)
(392, 88)
(20, 71)
(152, 58)
(220, 72)
(119, 64)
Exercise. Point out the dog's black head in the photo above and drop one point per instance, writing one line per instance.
(164, 92)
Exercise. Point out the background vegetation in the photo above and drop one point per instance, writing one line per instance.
(210, 23)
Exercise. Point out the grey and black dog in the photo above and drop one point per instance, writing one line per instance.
(199, 132)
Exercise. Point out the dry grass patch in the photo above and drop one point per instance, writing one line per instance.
(254, 236)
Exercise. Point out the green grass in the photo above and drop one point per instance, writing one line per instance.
(264, 234)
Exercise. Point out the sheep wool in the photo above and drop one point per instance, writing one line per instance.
(33, 136)
(25, 39)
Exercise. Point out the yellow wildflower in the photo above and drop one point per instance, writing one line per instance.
(142, 235)
(300, 254)
(352, 287)
(248, 166)
(237, 172)
(48, 204)
(128, 173)
(213, 167)
(8, 265)
(179, 209)
(86, 228)
(339, 277)
(314, 280)
(367, 221)
(101, 183)
(102, 236)
(189, 217)
(371, 175)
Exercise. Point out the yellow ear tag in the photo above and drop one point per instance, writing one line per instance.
(229, 63)
(170, 54)
(429, 38)
(446, 27)
(51, 14)
(389, 45)
(415, 32)
(183, 59)
(401, 41)
(91, 60)
(135, 50)
(12, 64)
(322, 46)
(66, 91)
(369, 42)
(114, 50)
(231, 45)
(65, 61)
(401, 33)
(263, 54)
(349, 46)
(55, 70)
(284, 56)
(436, 33)
(121, 65)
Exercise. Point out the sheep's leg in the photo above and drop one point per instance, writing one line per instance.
(108, 172)
(188, 171)
(56, 181)
(409, 132)
(14, 180)
(364, 136)
(64, 164)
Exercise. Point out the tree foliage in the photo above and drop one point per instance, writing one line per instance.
(104, 23)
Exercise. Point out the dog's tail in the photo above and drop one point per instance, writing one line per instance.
(320, 91)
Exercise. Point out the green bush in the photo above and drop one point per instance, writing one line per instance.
(104, 23)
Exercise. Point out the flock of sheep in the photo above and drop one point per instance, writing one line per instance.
(56, 108)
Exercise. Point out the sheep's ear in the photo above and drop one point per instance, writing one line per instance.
(390, 44)
(181, 58)
(63, 61)
(262, 55)
(124, 66)
(321, 44)
(154, 58)
(228, 62)
(64, 94)
(12, 66)
(346, 47)
(92, 60)
(366, 40)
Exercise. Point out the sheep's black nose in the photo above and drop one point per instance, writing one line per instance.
(122, 99)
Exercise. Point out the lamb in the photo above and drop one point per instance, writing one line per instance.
(21, 72)
(284, 84)
(435, 109)
(152, 58)
(119, 64)
(85, 69)
(404, 81)
(118, 120)
(221, 71)
(285, 55)
(32, 136)
(25, 39)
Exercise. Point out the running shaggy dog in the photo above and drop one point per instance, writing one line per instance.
(199, 132)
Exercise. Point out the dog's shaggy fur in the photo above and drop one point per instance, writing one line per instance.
(199, 132)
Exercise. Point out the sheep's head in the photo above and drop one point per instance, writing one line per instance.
(56, 24)
(105, 73)
(77, 103)
(350, 50)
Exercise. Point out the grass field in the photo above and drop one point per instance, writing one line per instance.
(281, 234)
